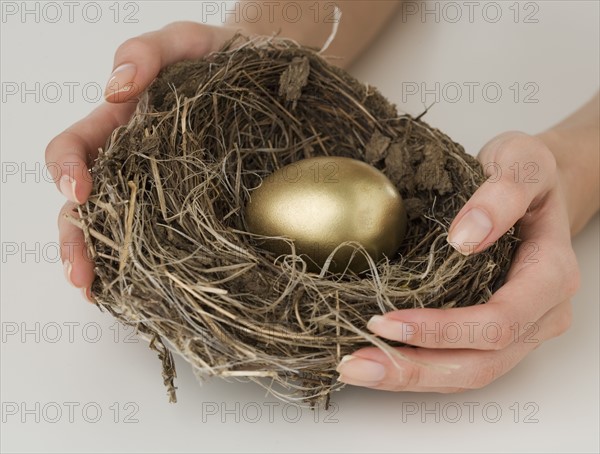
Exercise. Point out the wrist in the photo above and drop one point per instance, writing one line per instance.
(311, 35)
(577, 174)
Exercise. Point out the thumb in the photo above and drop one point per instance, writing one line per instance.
(138, 60)
(520, 170)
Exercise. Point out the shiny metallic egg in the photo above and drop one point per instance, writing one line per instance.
(321, 202)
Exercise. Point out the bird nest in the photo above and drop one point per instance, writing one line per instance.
(166, 231)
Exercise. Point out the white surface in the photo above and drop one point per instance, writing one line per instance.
(558, 382)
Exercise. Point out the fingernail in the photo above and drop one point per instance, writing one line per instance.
(354, 369)
(470, 231)
(120, 81)
(67, 187)
(391, 329)
(68, 267)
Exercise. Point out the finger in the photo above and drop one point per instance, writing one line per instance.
(520, 171)
(544, 273)
(78, 268)
(448, 370)
(523, 299)
(545, 236)
(492, 326)
(69, 155)
(138, 60)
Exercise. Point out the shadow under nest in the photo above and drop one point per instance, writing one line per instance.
(165, 222)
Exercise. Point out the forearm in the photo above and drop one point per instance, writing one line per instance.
(312, 23)
(575, 143)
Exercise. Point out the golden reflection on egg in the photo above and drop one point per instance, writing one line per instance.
(321, 202)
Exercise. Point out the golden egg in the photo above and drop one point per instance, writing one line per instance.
(321, 202)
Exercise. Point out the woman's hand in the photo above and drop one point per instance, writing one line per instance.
(70, 154)
(137, 62)
(476, 345)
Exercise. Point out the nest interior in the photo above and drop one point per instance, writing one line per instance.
(165, 222)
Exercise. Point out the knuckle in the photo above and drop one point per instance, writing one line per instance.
(181, 26)
(485, 374)
(565, 319)
(59, 221)
(526, 149)
(62, 147)
(134, 46)
(50, 147)
(572, 273)
(542, 155)
(518, 142)
(62, 212)
(549, 161)
(567, 273)
(408, 377)
(503, 341)
(514, 143)
(52, 152)
(497, 334)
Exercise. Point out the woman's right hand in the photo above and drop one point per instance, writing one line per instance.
(70, 154)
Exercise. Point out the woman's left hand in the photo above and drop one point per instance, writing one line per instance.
(476, 345)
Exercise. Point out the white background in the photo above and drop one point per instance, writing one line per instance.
(556, 386)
